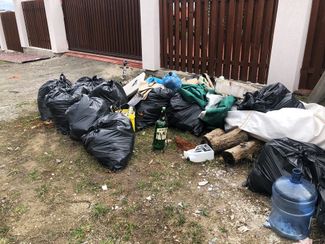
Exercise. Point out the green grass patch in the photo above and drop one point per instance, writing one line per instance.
(20, 209)
(79, 234)
(99, 210)
(42, 191)
(34, 175)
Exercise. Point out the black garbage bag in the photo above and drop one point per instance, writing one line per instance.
(184, 115)
(278, 158)
(112, 92)
(148, 111)
(85, 85)
(111, 140)
(58, 101)
(83, 114)
(272, 97)
(45, 89)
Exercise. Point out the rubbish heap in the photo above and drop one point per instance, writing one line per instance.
(235, 119)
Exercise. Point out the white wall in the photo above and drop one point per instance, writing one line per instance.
(3, 43)
(21, 23)
(289, 42)
(55, 20)
(150, 34)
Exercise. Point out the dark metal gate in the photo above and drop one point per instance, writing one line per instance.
(36, 24)
(314, 60)
(232, 38)
(11, 31)
(108, 27)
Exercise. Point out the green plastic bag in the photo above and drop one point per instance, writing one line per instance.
(215, 117)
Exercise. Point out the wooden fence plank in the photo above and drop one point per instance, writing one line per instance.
(197, 35)
(213, 38)
(221, 30)
(249, 10)
(238, 40)
(229, 37)
(177, 39)
(256, 40)
(183, 39)
(171, 35)
(190, 37)
(318, 62)
(162, 32)
(205, 32)
(265, 51)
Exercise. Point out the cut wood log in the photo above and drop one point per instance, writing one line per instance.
(207, 138)
(318, 93)
(235, 88)
(220, 142)
(243, 151)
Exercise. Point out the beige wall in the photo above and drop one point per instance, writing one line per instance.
(289, 42)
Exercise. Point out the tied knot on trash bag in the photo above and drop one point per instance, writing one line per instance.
(112, 92)
(85, 85)
(45, 89)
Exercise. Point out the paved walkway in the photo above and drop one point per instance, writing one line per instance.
(19, 83)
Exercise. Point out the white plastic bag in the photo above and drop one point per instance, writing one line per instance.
(305, 125)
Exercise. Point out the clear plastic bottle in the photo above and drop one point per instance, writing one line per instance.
(293, 205)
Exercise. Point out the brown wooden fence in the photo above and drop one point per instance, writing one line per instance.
(11, 31)
(109, 27)
(222, 37)
(36, 24)
(314, 60)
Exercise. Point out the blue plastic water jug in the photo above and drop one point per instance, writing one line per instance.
(293, 205)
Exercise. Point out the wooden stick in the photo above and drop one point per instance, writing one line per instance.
(245, 150)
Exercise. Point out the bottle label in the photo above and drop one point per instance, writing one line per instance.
(161, 134)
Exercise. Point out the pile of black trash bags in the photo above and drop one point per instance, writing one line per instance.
(84, 111)
(180, 113)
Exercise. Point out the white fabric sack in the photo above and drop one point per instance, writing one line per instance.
(213, 100)
(305, 125)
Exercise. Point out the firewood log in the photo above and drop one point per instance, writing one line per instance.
(220, 141)
(245, 150)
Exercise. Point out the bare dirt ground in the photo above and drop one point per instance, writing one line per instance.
(51, 189)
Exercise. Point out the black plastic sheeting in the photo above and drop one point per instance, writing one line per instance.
(184, 115)
(272, 97)
(83, 114)
(148, 111)
(279, 157)
(111, 140)
(85, 85)
(58, 101)
(45, 89)
(112, 92)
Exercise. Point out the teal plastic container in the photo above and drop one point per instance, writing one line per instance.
(293, 205)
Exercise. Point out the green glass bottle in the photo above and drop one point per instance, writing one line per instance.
(161, 128)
